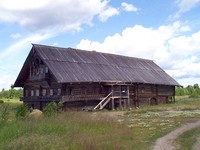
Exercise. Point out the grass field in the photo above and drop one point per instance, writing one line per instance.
(131, 129)
(188, 139)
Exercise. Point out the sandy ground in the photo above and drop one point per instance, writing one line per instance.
(167, 142)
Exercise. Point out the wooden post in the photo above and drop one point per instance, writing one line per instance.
(112, 90)
(113, 104)
(157, 92)
(174, 94)
(137, 99)
(112, 101)
(124, 103)
(135, 95)
(120, 103)
(128, 93)
(120, 99)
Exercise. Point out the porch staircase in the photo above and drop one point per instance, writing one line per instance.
(103, 102)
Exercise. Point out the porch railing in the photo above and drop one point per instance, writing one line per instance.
(63, 98)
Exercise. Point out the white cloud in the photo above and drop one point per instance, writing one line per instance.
(177, 54)
(16, 36)
(185, 29)
(129, 7)
(61, 14)
(16, 49)
(22, 4)
(184, 6)
(136, 40)
(11, 57)
(107, 13)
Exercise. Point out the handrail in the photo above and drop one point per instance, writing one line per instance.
(102, 101)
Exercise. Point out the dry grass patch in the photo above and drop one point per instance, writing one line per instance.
(37, 142)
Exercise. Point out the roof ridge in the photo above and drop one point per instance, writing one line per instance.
(103, 64)
(93, 51)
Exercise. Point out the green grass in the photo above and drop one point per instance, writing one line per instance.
(12, 104)
(188, 139)
(136, 129)
(14, 100)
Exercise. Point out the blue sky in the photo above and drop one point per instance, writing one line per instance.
(167, 32)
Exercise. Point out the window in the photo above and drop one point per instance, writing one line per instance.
(37, 93)
(44, 92)
(51, 92)
(46, 69)
(32, 92)
(59, 91)
(41, 70)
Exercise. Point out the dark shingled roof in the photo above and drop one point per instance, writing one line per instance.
(69, 65)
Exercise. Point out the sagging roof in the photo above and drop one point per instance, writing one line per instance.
(70, 65)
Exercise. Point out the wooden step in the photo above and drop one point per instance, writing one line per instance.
(103, 102)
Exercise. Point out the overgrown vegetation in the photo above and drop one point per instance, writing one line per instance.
(192, 91)
(22, 111)
(133, 129)
(51, 109)
(11, 93)
(4, 114)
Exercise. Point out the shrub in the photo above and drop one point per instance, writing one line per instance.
(60, 106)
(22, 111)
(195, 94)
(1, 101)
(50, 109)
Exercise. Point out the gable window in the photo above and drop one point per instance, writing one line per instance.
(46, 69)
(59, 91)
(51, 92)
(41, 70)
(37, 93)
(32, 92)
(44, 92)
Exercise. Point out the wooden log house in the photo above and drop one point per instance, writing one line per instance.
(92, 79)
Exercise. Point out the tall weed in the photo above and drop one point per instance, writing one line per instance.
(22, 111)
(50, 109)
(4, 115)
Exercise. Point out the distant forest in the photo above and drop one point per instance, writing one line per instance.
(192, 90)
(11, 93)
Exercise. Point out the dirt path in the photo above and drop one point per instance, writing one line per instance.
(196, 146)
(167, 142)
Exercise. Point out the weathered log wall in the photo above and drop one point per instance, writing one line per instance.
(81, 93)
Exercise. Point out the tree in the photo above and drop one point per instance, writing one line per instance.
(11, 93)
(192, 91)
(196, 86)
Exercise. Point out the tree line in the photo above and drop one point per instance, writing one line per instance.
(192, 90)
(11, 93)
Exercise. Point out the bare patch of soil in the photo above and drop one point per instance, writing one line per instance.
(168, 141)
